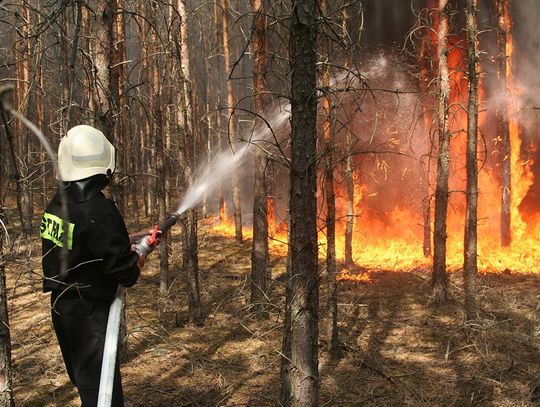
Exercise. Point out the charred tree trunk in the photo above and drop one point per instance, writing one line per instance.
(349, 168)
(470, 260)
(231, 120)
(427, 122)
(260, 274)
(440, 284)
(189, 221)
(217, 101)
(328, 140)
(503, 122)
(304, 279)
(6, 371)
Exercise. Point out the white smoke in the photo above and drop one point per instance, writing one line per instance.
(526, 15)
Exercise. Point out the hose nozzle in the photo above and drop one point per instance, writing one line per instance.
(147, 244)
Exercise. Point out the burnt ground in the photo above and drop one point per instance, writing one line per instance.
(398, 350)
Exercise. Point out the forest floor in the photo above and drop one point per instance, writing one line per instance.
(398, 349)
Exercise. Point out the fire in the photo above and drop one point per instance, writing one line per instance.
(361, 278)
(522, 176)
(391, 239)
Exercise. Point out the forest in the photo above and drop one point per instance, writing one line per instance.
(353, 188)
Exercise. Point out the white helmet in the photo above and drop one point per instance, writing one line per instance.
(83, 152)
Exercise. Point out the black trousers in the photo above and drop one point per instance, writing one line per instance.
(80, 326)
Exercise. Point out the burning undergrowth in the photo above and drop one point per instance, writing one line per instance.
(393, 150)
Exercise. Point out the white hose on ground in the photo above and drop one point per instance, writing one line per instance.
(110, 349)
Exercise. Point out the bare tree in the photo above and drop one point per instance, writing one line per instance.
(157, 137)
(105, 93)
(328, 141)
(260, 275)
(23, 156)
(424, 57)
(349, 167)
(6, 371)
(118, 77)
(471, 250)
(231, 118)
(304, 281)
(503, 122)
(440, 285)
(189, 220)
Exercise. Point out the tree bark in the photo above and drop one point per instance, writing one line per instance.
(6, 371)
(145, 158)
(285, 367)
(470, 258)
(118, 74)
(105, 88)
(16, 173)
(22, 137)
(424, 57)
(260, 273)
(157, 136)
(328, 140)
(237, 205)
(503, 123)
(217, 100)
(189, 221)
(349, 166)
(304, 279)
(440, 285)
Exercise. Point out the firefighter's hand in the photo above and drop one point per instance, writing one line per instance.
(158, 239)
(136, 236)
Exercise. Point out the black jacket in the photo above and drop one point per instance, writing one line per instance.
(100, 255)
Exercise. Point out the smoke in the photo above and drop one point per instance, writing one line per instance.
(526, 15)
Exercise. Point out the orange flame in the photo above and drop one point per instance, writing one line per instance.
(393, 240)
(361, 278)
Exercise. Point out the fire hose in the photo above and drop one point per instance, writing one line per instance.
(143, 247)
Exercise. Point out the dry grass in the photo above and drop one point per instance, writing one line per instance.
(398, 349)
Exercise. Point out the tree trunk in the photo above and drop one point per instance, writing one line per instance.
(6, 372)
(424, 57)
(440, 285)
(118, 75)
(503, 122)
(16, 173)
(189, 221)
(22, 136)
(157, 136)
(145, 159)
(231, 120)
(349, 167)
(217, 100)
(470, 260)
(303, 207)
(285, 367)
(328, 140)
(105, 87)
(260, 274)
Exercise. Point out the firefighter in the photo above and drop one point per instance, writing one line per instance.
(100, 257)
